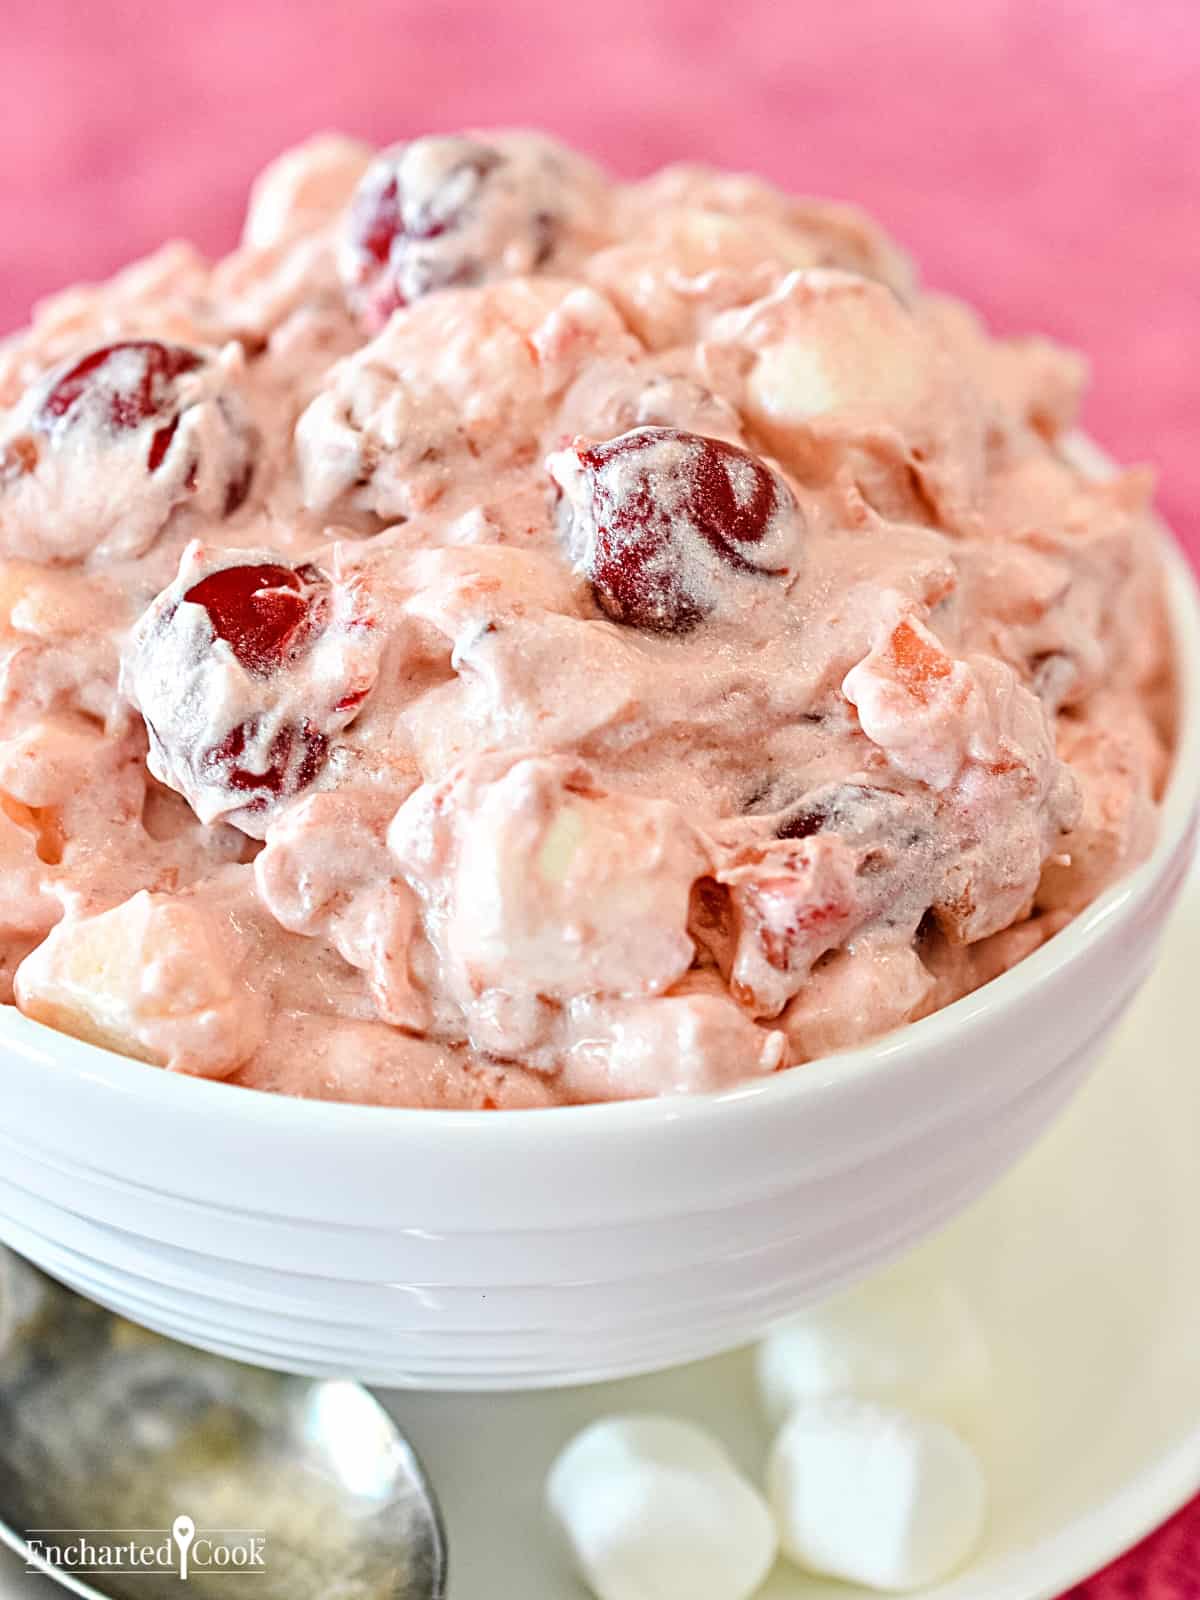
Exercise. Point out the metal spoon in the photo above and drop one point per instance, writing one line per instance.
(108, 1428)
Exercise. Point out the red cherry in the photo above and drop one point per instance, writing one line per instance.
(389, 223)
(146, 393)
(266, 614)
(245, 675)
(829, 808)
(783, 915)
(294, 759)
(802, 824)
(238, 488)
(657, 499)
(376, 219)
(421, 224)
(856, 811)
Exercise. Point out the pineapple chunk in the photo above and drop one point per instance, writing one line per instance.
(55, 604)
(155, 978)
(42, 823)
(30, 840)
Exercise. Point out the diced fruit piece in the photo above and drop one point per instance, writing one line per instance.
(303, 189)
(914, 700)
(154, 978)
(857, 993)
(692, 1040)
(791, 902)
(30, 841)
(540, 887)
(43, 823)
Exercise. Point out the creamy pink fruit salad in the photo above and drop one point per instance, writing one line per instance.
(504, 637)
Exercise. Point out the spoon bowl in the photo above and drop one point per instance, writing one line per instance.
(257, 1485)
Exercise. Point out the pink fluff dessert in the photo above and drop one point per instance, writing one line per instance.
(505, 638)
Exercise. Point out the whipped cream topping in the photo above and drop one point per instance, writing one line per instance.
(504, 637)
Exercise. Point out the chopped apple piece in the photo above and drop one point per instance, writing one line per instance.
(155, 978)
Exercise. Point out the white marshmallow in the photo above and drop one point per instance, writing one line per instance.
(874, 1495)
(906, 1337)
(653, 1508)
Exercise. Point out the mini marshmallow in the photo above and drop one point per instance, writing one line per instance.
(905, 1337)
(874, 1495)
(652, 1508)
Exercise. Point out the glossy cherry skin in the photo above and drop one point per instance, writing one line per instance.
(153, 368)
(661, 504)
(265, 613)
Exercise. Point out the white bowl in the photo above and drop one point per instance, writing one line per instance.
(472, 1250)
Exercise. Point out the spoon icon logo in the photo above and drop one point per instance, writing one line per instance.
(183, 1531)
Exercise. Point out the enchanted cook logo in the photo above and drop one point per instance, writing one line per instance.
(181, 1549)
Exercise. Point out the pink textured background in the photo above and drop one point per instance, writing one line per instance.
(1039, 156)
